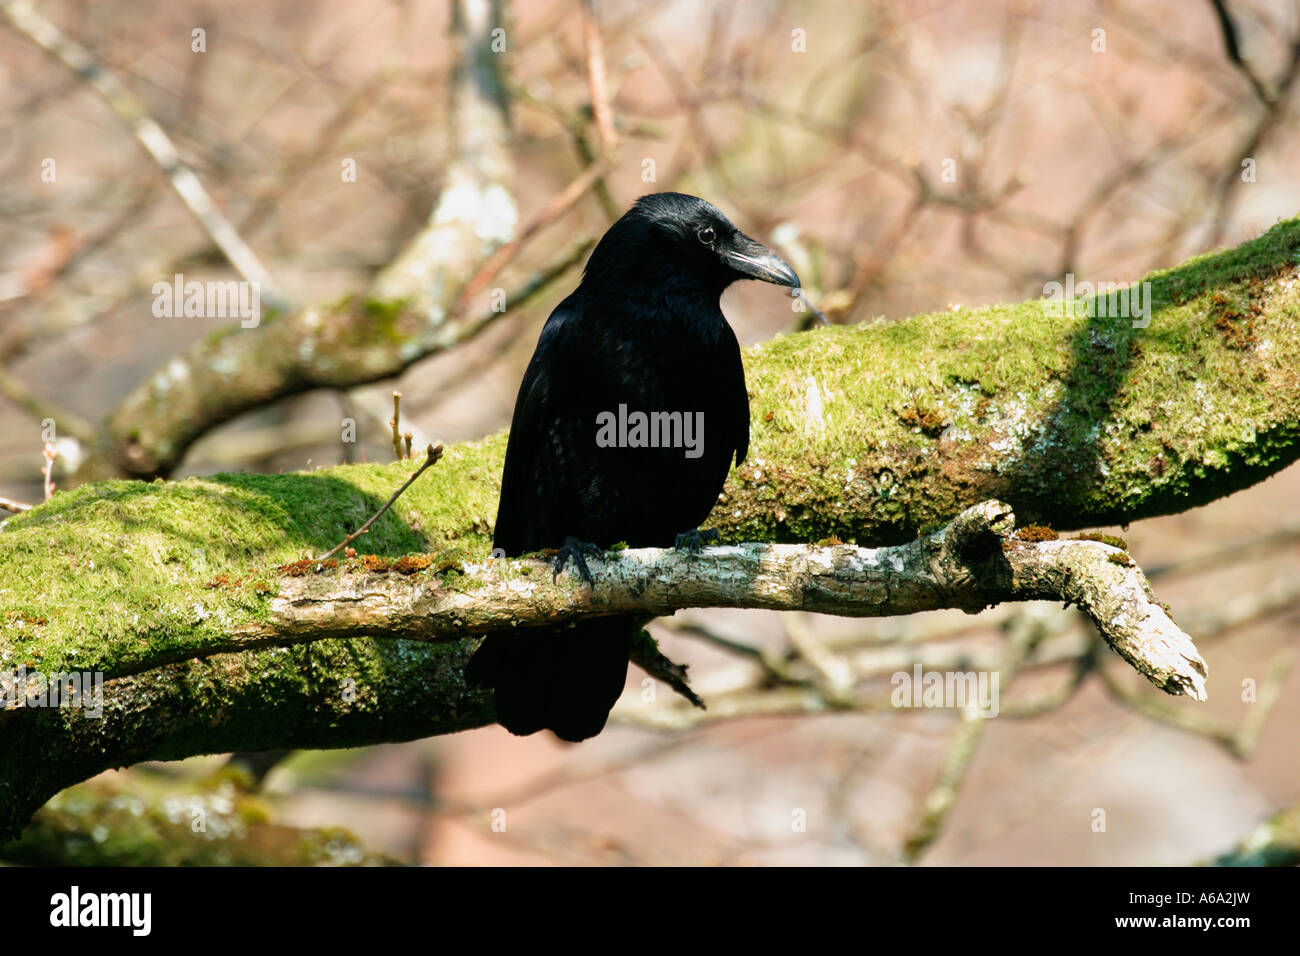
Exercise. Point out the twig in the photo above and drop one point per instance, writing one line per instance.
(596, 79)
(9, 504)
(576, 125)
(1024, 632)
(773, 667)
(598, 85)
(47, 470)
(70, 424)
(1239, 740)
(1274, 101)
(1233, 553)
(942, 796)
(128, 108)
(434, 452)
(836, 677)
(395, 421)
(472, 367)
(1045, 703)
(552, 211)
(476, 210)
(1232, 47)
(764, 702)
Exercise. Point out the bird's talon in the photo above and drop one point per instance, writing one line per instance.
(577, 552)
(695, 539)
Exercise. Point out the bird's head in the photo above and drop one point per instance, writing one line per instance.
(674, 235)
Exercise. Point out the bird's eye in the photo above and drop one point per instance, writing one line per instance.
(706, 235)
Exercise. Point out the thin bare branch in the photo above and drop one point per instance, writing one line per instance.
(131, 112)
(432, 454)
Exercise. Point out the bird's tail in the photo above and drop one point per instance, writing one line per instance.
(563, 679)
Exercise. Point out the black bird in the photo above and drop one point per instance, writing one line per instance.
(643, 333)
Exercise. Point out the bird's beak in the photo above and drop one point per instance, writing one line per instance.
(753, 260)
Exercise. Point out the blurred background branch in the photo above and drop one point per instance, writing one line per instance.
(906, 157)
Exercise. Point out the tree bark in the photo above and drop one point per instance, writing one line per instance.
(185, 595)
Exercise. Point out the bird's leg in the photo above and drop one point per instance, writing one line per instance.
(695, 539)
(576, 551)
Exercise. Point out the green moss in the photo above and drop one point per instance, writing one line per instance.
(385, 317)
(1072, 420)
(213, 824)
(1063, 416)
(119, 566)
(1115, 541)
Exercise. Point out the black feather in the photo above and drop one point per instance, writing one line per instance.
(643, 329)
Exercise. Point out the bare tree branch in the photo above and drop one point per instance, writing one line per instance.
(972, 562)
(405, 315)
(128, 108)
(596, 78)
(1232, 46)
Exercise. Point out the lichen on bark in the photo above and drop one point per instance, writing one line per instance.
(870, 435)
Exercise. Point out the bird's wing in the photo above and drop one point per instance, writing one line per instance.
(549, 429)
(738, 414)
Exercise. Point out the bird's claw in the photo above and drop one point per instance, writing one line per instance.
(576, 551)
(695, 539)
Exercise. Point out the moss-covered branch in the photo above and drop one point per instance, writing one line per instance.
(322, 695)
(310, 666)
(213, 822)
(872, 434)
(1275, 842)
(972, 563)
